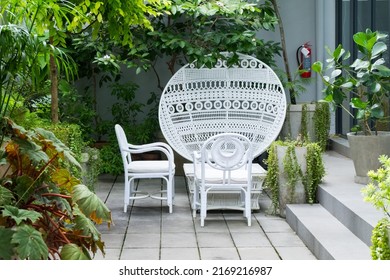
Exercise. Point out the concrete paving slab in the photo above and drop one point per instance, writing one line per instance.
(149, 232)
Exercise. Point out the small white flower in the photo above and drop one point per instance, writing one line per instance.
(106, 57)
(220, 4)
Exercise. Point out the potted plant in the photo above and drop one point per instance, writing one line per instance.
(365, 85)
(377, 192)
(309, 120)
(294, 171)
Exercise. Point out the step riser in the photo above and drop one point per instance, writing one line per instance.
(324, 235)
(307, 237)
(346, 216)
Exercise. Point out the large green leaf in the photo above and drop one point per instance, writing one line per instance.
(360, 64)
(64, 179)
(365, 39)
(378, 49)
(20, 215)
(29, 243)
(86, 225)
(24, 188)
(58, 145)
(91, 205)
(26, 145)
(73, 252)
(6, 196)
(357, 103)
(383, 71)
(338, 52)
(377, 112)
(317, 66)
(337, 95)
(6, 248)
(32, 150)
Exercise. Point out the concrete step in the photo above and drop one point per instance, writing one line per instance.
(348, 207)
(342, 197)
(340, 226)
(324, 235)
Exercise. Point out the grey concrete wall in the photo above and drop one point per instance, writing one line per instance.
(306, 21)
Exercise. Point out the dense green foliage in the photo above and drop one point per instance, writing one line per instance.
(201, 30)
(377, 192)
(380, 248)
(45, 213)
(367, 79)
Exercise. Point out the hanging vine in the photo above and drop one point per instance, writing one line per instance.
(272, 181)
(311, 178)
(322, 124)
(292, 170)
(315, 171)
(304, 123)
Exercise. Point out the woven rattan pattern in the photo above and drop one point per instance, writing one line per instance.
(198, 103)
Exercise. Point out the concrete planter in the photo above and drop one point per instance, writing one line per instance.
(292, 126)
(285, 196)
(365, 151)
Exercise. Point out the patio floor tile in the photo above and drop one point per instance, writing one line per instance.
(147, 231)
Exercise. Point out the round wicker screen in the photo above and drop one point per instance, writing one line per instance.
(246, 98)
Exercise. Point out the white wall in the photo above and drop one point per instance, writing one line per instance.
(304, 21)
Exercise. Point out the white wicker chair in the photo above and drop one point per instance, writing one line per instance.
(146, 169)
(223, 164)
(198, 103)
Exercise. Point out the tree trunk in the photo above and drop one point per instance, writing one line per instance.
(284, 49)
(54, 88)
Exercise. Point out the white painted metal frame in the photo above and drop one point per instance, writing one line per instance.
(224, 164)
(146, 169)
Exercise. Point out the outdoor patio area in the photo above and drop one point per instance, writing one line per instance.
(147, 231)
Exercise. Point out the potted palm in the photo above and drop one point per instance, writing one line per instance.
(365, 84)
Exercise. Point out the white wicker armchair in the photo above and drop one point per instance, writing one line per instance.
(198, 103)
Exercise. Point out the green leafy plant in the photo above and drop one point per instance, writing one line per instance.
(45, 213)
(129, 113)
(367, 79)
(380, 248)
(310, 179)
(321, 124)
(377, 192)
(200, 30)
(54, 22)
(111, 158)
